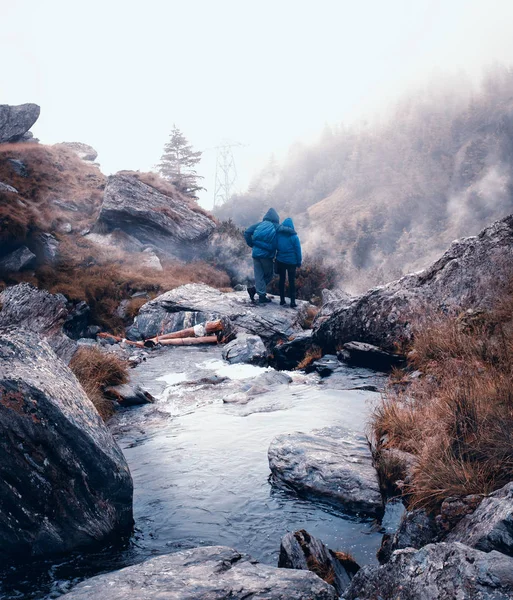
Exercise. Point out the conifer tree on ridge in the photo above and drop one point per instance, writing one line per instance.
(177, 164)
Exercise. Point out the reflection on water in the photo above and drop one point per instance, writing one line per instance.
(200, 468)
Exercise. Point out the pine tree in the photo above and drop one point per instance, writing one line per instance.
(177, 164)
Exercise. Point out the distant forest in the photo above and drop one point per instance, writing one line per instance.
(382, 199)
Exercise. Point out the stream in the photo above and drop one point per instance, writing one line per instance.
(200, 469)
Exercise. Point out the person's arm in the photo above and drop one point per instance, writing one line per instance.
(297, 248)
(248, 235)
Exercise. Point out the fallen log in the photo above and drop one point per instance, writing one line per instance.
(196, 331)
(189, 341)
(117, 338)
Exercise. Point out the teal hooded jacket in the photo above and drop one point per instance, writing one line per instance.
(288, 244)
(262, 236)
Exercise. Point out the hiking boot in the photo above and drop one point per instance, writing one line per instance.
(252, 292)
(264, 299)
(293, 305)
(282, 302)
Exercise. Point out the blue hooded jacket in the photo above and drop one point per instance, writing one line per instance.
(262, 236)
(288, 245)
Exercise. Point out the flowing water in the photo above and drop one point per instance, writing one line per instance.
(200, 469)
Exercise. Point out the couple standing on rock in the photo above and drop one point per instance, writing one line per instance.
(271, 241)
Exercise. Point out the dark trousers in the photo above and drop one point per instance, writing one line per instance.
(283, 269)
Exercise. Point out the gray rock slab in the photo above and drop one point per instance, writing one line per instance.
(64, 482)
(195, 303)
(436, 572)
(467, 275)
(5, 187)
(168, 223)
(246, 348)
(27, 307)
(16, 261)
(330, 464)
(416, 529)
(15, 121)
(209, 573)
(490, 526)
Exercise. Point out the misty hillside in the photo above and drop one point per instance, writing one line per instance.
(384, 199)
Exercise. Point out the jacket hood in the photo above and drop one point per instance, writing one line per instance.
(271, 215)
(287, 227)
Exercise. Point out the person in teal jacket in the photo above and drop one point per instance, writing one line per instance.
(262, 238)
(288, 258)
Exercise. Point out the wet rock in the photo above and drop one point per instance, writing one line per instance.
(417, 529)
(83, 151)
(129, 395)
(196, 303)
(166, 222)
(366, 355)
(490, 526)
(209, 573)
(467, 276)
(17, 261)
(26, 307)
(246, 348)
(65, 227)
(15, 121)
(272, 378)
(5, 187)
(434, 572)
(65, 484)
(302, 551)
(288, 355)
(454, 508)
(326, 365)
(331, 464)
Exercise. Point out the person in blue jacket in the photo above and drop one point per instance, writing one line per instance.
(288, 258)
(262, 238)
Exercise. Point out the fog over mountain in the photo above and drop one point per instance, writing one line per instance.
(384, 198)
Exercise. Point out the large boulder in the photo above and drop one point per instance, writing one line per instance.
(64, 483)
(246, 348)
(332, 464)
(195, 303)
(300, 550)
(437, 571)
(27, 307)
(466, 276)
(15, 121)
(166, 222)
(84, 151)
(490, 526)
(360, 354)
(208, 573)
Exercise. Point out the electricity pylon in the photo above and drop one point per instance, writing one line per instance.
(226, 173)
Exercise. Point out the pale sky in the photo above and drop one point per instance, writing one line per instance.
(117, 74)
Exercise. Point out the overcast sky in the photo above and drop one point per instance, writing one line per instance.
(118, 74)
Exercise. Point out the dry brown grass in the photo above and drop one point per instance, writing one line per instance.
(458, 417)
(53, 174)
(311, 313)
(97, 370)
(312, 354)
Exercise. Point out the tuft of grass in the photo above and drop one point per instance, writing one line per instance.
(458, 418)
(97, 370)
(312, 354)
